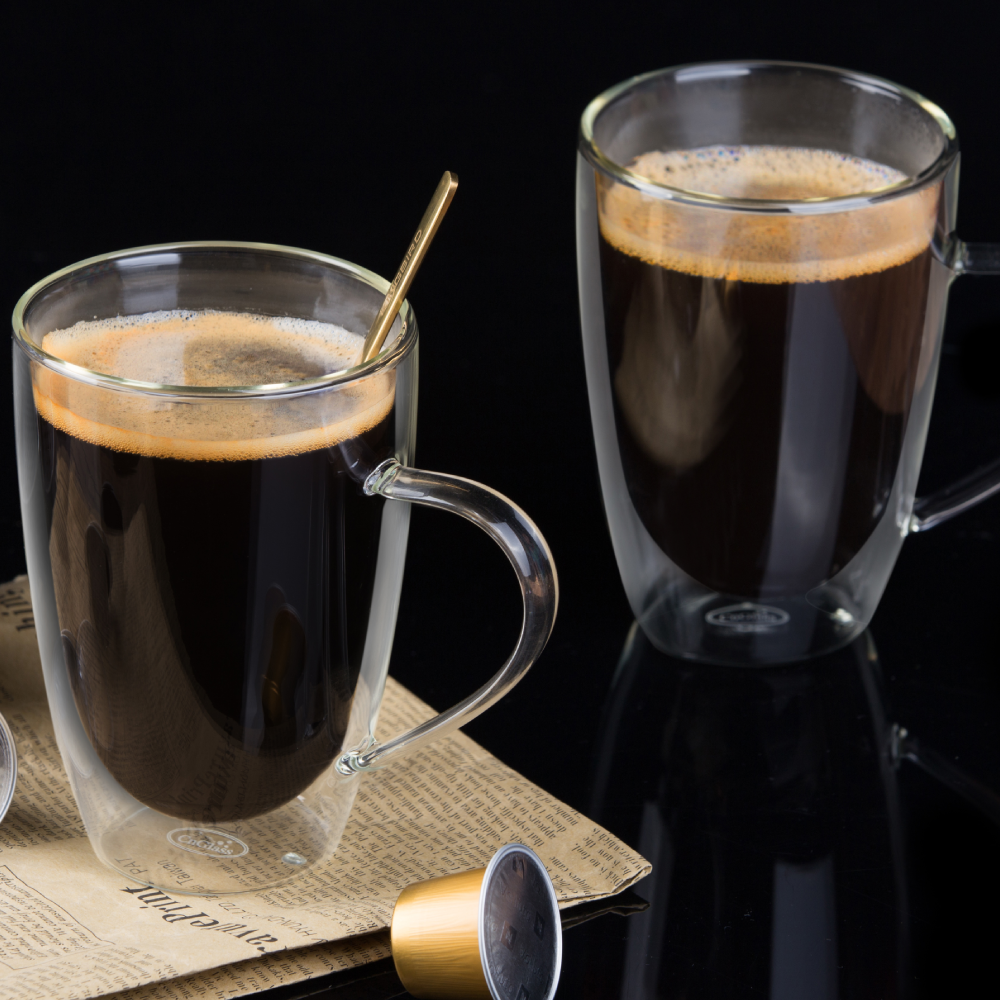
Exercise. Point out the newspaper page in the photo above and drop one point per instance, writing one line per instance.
(72, 928)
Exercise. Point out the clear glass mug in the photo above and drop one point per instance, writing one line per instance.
(761, 371)
(216, 571)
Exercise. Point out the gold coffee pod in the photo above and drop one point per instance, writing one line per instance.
(489, 933)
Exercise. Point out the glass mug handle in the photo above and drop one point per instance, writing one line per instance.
(931, 510)
(528, 553)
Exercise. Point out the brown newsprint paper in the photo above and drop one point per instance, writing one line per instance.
(71, 928)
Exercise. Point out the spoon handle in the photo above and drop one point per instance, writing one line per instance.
(411, 262)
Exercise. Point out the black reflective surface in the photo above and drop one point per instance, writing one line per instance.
(771, 814)
(792, 858)
(795, 852)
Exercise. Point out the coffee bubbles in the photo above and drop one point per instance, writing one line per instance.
(181, 348)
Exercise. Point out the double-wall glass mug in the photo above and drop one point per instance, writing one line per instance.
(215, 568)
(764, 257)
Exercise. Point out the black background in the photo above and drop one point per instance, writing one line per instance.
(326, 126)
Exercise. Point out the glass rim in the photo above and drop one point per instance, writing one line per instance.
(806, 206)
(387, 358)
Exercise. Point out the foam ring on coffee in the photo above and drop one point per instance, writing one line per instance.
(765, 248)
(209, 348)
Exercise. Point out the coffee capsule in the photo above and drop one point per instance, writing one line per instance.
(8, 767)
(489, 933)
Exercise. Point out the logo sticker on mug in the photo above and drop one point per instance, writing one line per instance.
(206, 842)
(747, 617)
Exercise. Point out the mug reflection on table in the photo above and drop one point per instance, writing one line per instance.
(770, 810)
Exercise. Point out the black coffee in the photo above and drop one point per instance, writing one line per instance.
(763, 367)
(213, 608)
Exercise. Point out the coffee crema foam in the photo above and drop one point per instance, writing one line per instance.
(770, 173)
(209, 348)
(765, 248)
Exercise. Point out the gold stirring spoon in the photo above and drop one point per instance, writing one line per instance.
(411, 262)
